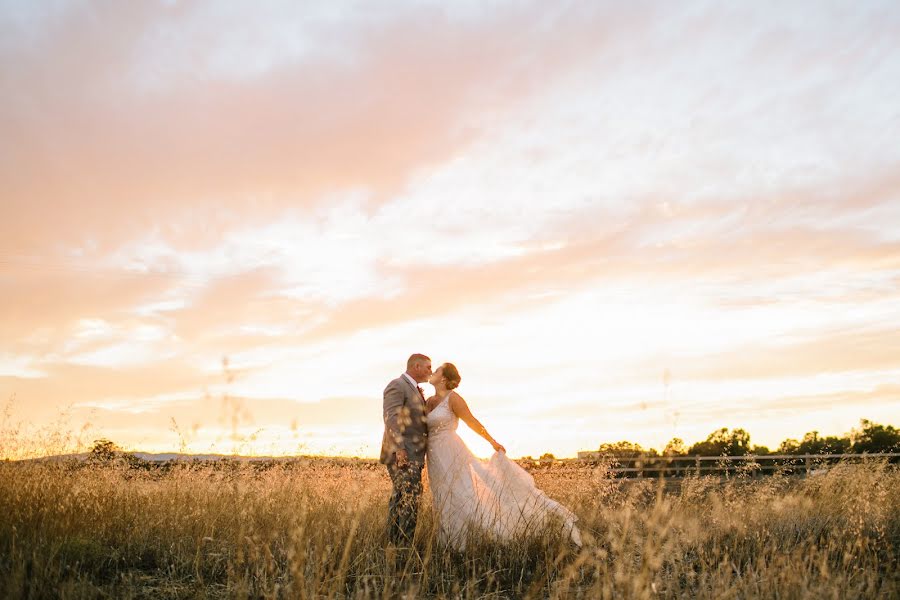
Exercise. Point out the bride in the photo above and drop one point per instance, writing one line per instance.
(495, 496)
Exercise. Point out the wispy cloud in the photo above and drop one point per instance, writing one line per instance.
(540, 194)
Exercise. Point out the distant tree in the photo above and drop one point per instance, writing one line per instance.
(625, 449)
(789, 446)
(547, 456)
(675, 447)
(872, 437)
(812, 443)
(103, 450)
(723, 442)
(760, 450)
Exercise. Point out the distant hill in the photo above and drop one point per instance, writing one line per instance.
(175, 456)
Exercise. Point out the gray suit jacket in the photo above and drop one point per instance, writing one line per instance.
(405, 425)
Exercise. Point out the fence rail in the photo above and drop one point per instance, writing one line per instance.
(754, 465)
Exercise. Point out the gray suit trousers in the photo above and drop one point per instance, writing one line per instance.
(403, 509)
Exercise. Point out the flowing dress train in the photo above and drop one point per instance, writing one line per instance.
(494, 496)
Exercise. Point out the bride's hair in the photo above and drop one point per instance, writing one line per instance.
(451, 374)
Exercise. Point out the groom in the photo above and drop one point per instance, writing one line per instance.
(403, 446)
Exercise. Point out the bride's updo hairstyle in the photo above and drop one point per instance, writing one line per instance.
(451, 374)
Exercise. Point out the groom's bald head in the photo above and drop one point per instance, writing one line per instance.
(419, 367)
(416, 359)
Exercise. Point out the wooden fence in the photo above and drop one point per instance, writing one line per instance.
(750, 465)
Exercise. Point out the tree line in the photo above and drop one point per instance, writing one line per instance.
(869, 438)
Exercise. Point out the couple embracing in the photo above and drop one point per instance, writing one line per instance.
(495, 497)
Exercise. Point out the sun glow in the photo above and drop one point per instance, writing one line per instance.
(232, 243)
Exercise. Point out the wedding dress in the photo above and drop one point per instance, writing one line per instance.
(494, 496)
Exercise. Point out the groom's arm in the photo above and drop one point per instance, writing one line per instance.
(394, 415)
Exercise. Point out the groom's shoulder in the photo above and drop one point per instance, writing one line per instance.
(398, 382)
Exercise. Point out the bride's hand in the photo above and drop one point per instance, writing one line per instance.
(498, 447)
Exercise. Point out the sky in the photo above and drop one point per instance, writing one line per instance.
(226, 225)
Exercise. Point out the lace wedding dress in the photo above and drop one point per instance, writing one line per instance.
(496, 496)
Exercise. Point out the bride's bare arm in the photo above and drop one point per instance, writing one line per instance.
(461, 409)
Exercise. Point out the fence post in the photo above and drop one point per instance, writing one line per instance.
(808, 461)
(697, 464)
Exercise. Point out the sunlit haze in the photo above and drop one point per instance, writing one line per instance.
(226, 225)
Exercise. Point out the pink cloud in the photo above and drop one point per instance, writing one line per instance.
(92, 156)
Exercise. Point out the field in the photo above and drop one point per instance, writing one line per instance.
(316, 529)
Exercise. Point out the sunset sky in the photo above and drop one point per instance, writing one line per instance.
(621, 220)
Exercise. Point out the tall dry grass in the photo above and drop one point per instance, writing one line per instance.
(317, 530)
